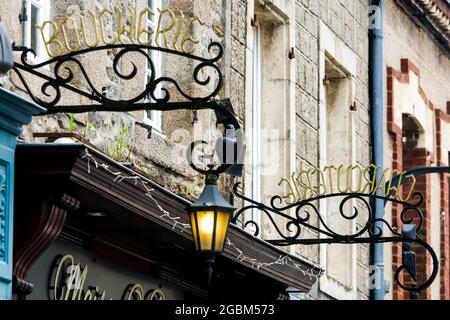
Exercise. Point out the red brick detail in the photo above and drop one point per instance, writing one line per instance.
(444, 116)
(407, 65)
(438, 137)
(425, 99)
(430, 104)
(444, 196)
(412, 159)
(445, 239)
(408, 159)
(397, 164)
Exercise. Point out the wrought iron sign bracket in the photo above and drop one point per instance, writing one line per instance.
(59, 74)
(66, 73)
(289, 222)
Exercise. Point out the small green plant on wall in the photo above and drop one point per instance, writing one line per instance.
(88, 129)
(71, 124)
(120, 151)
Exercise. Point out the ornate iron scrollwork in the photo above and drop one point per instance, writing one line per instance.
(58, 74)
(290, 221)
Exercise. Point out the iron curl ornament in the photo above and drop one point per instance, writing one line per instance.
(289, 223)
(59, 73)
(67, 73)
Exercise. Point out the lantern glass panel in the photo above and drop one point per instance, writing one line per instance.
(205, 220)
(194, 229)
(223, 219)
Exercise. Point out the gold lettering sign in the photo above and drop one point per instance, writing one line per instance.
(173, 31)
(58, 47)
(68, 282)
(136, 292)
(313, 182)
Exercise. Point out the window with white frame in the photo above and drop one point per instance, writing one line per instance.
(256, 119)
(38, 11)
(338, 147)
(271, 149)
(154, 117)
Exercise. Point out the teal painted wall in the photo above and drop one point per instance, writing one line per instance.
(15, 111)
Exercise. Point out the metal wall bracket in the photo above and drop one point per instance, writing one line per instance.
(289, 228)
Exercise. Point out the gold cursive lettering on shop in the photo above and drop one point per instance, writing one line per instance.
(84, 32)
(178, 30)
(290, 196)
(187, 38)
(68, 282)
(173, 30)
(136, 292)
(75, 34)
(312, 182)
(52, 39)
(103, 29)
(120, 24)
(142, 26)
(160, 30)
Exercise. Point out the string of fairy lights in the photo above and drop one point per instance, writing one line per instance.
(283, 260)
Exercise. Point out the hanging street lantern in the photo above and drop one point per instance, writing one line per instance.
(210, 217)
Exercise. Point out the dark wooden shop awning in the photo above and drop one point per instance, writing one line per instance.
(59, 190)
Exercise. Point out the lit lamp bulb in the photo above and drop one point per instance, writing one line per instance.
(207, 224)
(206, 229)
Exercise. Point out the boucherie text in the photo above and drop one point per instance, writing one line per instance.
(163, 28)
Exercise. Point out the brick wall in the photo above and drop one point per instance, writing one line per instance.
(403, 160)
(441, 118)
(415, 159)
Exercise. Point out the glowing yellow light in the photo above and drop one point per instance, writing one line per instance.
(207, 224)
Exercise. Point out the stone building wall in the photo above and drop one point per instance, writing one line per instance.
(348, 22)
(160, 156)
(303, 23)
(307, 22)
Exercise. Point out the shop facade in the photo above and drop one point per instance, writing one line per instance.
(112, 197)
(15, 112)
(124, 231)
(78, 275)
(149, 139)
